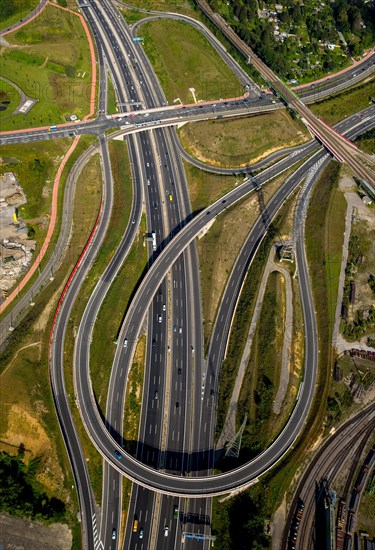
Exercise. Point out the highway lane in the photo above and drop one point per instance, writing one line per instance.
(174, 186)
(121, 75)
(159, 480)
(61, 398)
(165, 165)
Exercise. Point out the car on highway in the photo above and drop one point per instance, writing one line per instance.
(147, 164)
(135, 525)
(175, 511)
(180, 330)
(159, 318)
(166, 530)
(113, 534)
(170, 197)
(177, 404)
(125, 343)
(164, 307)
(174, 328)
(156, 395)
(118, 455)
(141, 534)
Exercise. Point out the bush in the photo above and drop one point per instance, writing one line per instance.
(70, 71)
(20, 494)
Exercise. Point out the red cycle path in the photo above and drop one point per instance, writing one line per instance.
(56, 183)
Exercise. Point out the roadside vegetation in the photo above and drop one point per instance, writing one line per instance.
(182, 58)
(324, 242)
(241, 324)
(13, 11)
(337, 108)
(366, 142)
(111, 313)
(219, 247)
(262, 378)
(49, 59)
(179, 6)
(133, 400)
(29, 418)
(32, 180)
(111, 97)
(242, 141)
(118, 296)
(117, 225)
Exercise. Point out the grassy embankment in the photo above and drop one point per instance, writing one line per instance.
(111, 98)
(242, 518)
(29, 410)
(183, 59)
(243, 141)
(337, 108)
(49, 59)
(179, 6)
(13, 11)
(114, 305)
(220, 246)
(260, 385)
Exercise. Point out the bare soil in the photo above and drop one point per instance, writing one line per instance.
(23, 534)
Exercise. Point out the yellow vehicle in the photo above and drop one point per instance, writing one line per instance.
(170, 198)
(135, 526)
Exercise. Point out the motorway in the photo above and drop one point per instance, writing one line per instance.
(167, 159)
(161, 481)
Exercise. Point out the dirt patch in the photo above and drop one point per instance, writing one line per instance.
(44, 63)
(25, 428)
(22, 534)
(278, 523)
(51, 305)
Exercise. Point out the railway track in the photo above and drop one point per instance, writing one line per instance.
(327, 464)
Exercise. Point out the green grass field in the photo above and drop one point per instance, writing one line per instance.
(337, 108)
(111, 98)
(241, 141)
(183, 59)
(50, 60)
(13, 11)
(180, 6)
